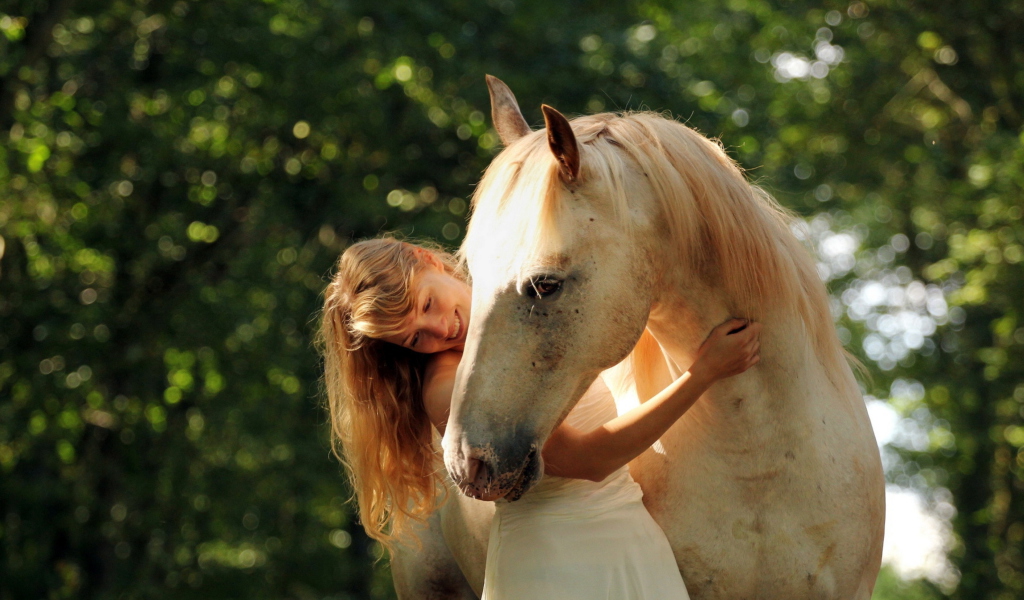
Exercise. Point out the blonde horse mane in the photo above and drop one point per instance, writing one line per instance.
(725, 230)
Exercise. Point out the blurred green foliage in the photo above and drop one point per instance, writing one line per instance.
(177, 178)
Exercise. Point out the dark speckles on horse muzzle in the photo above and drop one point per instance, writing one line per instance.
(498, 469)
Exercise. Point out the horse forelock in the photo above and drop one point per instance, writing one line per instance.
(514, 209)
(722, 228)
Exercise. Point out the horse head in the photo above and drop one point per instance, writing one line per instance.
(563, 280)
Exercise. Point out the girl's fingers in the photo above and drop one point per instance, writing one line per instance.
(741, 338)
(734, 326)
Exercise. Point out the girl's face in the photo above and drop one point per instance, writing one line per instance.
(440, 315)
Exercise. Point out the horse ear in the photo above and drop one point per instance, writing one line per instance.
(508, 120)
(562, 142)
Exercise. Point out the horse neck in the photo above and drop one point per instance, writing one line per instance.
(688, 310)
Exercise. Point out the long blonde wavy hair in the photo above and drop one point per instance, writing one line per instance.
(379, 426)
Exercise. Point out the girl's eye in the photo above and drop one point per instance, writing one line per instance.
(415, 340)
(426, 306)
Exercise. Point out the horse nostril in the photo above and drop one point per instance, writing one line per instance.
(479, 473)
(472, 467)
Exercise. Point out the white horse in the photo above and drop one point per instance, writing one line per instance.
(614, 244)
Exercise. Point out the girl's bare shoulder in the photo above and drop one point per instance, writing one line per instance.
(438, 383)
(442, 365)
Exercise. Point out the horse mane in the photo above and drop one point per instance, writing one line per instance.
(726, 230)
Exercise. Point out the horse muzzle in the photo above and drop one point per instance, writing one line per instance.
(489, 472)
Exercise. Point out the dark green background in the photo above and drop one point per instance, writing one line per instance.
(176, 179)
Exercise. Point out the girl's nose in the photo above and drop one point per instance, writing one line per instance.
(438, 328)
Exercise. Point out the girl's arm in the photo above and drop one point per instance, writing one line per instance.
(730, 349)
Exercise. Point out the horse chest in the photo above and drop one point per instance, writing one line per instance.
(738, 536)
(751, 494)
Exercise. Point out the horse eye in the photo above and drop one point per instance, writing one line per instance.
(542, 287)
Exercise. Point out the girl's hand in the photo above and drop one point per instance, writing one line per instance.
(732, 348)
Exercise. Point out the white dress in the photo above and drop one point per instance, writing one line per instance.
(570, 539)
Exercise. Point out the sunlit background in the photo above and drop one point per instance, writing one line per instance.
(177, 178)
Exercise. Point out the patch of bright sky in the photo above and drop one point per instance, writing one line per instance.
(918, 533)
